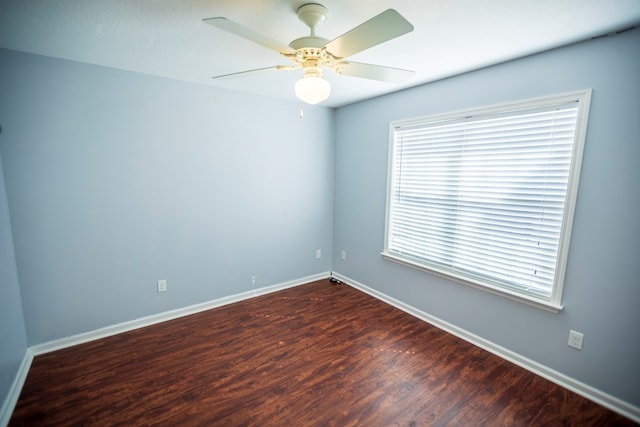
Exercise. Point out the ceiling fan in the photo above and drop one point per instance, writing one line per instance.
(313, 53)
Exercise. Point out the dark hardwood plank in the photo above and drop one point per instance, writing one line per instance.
(320, 354)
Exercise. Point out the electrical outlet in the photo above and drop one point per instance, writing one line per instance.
(318, 254)
(343, 255)
(162, 286)
(253, 279)
(575, 339)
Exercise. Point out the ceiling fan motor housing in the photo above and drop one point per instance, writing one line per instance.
(309, 47)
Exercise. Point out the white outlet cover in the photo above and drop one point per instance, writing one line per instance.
(575, 340)
(162, 285)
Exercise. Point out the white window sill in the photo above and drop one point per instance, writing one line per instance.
(542, 304)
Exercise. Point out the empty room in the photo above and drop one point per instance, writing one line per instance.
(287, 213)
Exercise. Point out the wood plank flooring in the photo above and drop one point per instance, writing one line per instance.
(320, 354)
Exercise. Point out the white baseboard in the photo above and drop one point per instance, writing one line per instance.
(16, 387)
(624, 408)
(167, 315)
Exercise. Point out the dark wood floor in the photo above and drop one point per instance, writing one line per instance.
(315, 355)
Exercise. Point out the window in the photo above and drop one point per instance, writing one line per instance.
(486, 197)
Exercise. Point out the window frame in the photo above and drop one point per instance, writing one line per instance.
(554, 303)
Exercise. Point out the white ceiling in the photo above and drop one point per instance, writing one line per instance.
(168, 38)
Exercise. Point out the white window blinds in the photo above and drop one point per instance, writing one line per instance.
(483, 197)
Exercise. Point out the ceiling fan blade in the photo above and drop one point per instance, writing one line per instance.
(373, 72)
(248, 34)
(379, 29)
(255, 71)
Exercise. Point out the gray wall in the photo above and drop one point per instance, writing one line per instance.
(13, 335)
(602, 287)
(117, 179)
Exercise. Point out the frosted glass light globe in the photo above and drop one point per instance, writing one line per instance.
(312, 90)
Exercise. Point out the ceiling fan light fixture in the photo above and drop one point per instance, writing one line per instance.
(312, 90)
(313, 53)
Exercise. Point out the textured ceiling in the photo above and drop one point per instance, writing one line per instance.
(168, 38)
